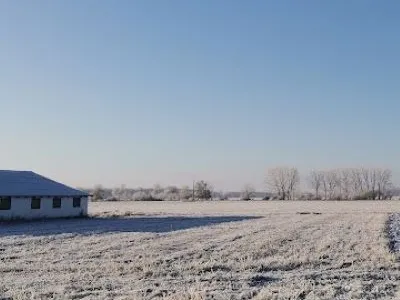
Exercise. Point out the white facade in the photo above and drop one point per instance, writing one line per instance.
(21, 208)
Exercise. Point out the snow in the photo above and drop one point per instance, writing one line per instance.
(205, 251)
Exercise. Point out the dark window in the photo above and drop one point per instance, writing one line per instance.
(35, 203)
(56, 202)
(76, 202)
(5, 203)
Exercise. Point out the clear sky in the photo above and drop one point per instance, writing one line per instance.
(144, 92)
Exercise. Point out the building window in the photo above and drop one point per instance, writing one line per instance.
(76, 202)
(56, 202)
(35, 203)
(5, 203)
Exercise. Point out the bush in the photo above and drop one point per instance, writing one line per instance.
(111, 199)
(367, 196)
(144, 196)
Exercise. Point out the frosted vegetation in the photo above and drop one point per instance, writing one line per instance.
(394, 231)
(282, 183)
(214, 250)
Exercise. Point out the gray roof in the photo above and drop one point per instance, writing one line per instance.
(26, 183)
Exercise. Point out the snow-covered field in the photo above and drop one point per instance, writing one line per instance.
(220, 250)
(259, 208)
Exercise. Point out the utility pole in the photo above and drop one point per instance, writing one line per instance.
(193, 192)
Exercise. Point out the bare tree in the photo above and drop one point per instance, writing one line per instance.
(332, 182)
(185, 193)
(283, 181)
(370, 183)
(171, 193)
(141, 195)
(157, 192)
(294, 180)
(373, 182)
(365, 175)
(248, 192)
(364, 183)
(203, 190)
(172, 189)
(345, 183)
(98, 193)
(325, 186)
(357, 182)
(384, 182)
(370, 180)
(315, 180)
(276, 182)
(119, 193)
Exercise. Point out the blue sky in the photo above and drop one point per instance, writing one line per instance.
(144, 92)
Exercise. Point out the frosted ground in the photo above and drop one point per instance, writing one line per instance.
(220, 250)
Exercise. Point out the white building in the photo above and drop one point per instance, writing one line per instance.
(27, 195)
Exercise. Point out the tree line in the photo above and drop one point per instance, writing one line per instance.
(335, 184)
(202, 191)
(283, 183)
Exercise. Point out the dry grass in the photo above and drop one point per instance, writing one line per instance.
(341, 253)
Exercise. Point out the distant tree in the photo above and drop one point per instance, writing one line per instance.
(283, 181)
(157, 192)
(223, 196)
(119, 193)
(171, 193)
(332, 184)
(185, 193)
(157, 188)
(140, 195)
(203, 190)
(345, 183)
(384, 182)
(357, 182)
(352, 183)
(172, 189)
(98, 193)
(315, 180)
(370, 181)
(248, 192)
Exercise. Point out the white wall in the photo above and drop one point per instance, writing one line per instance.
(21, 208)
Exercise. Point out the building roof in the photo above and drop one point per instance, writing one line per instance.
(28, 184)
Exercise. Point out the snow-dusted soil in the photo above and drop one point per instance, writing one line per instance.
(329, 251)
